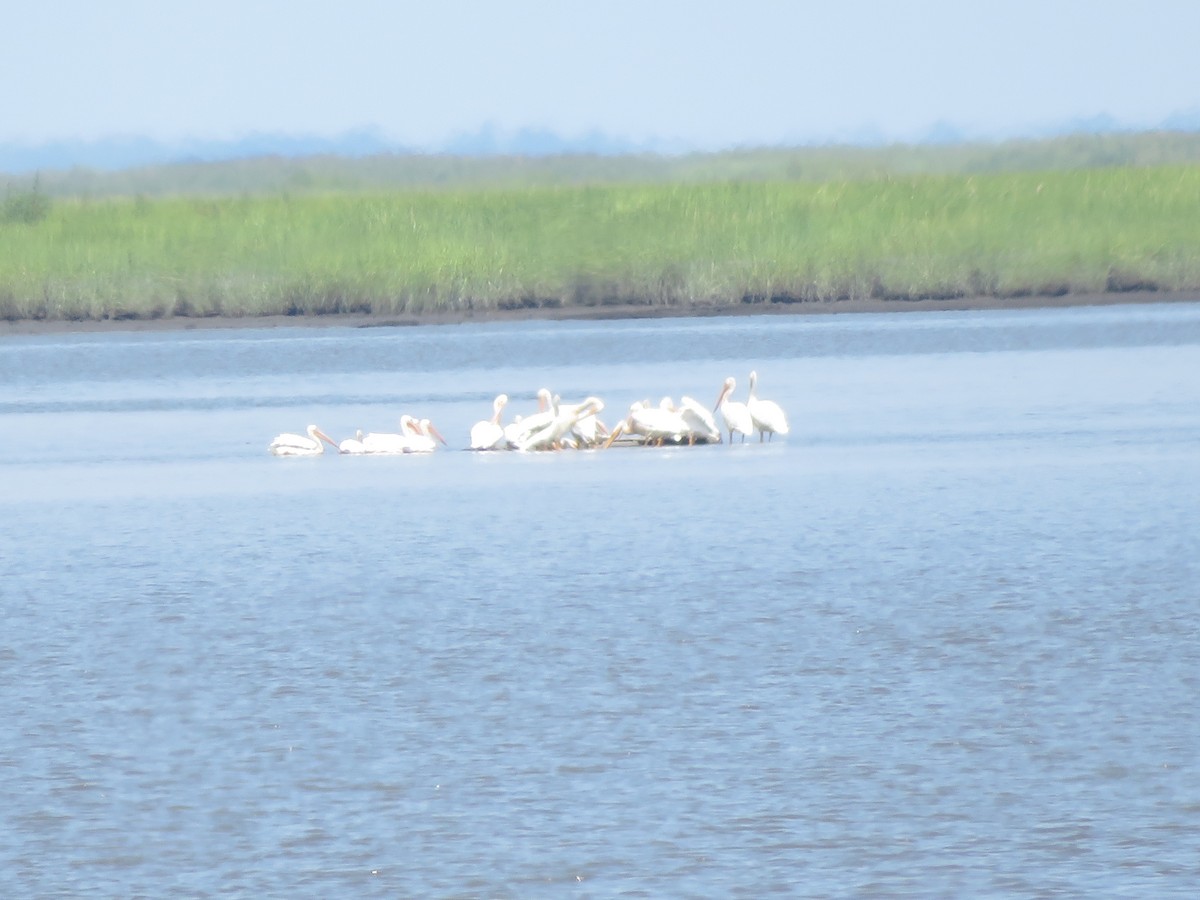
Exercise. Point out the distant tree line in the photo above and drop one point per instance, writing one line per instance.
(329, 173)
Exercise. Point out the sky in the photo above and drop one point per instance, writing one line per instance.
(710, 75)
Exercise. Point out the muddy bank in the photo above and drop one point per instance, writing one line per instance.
(185, 323)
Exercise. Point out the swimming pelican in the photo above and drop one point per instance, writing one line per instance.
(391, 442)
(488, 434)
(734, 413)
(289, 444)
(767, 416)
(423, 440)
(353, 445)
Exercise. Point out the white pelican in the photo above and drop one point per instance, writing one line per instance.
(701, 425)
(519, 430)
(288, 444)
(489, 434)
(353, 445)
(423, 440)
(653, 423)
(734, 413)
(767, 416)
(550, 435)
(389, 442)
(587, 431)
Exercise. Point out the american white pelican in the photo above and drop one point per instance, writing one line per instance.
(588, 430)
(353, 445)
(519, 430)
(734, 413)
(652, 423)
(289, 444)
(489, 434)
(423, 441)
(550, 435)
(768, 417)
(390, 442)
(384, 443)
(701, 425)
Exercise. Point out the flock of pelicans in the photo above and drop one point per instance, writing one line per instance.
(557, 425)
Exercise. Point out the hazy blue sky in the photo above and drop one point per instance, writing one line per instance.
(712, 74)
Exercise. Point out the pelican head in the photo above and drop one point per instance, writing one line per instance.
(726, 390)
(589, 407)
(317, 434)
(426, 427)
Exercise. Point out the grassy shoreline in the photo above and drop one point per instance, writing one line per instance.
(657, 249)
(352, 320)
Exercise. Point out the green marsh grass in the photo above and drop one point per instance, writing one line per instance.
(694, 244)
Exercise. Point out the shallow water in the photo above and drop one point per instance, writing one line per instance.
(944, 639)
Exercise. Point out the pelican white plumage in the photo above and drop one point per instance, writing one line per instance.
(588, 430)
(767, 415)
(733, 412)
(550, 435)
(519, 430)
(289, 444)
(353, 445)
(543, 429)
(652, 423)
(488, 434)
(385, 442)
(702, 427)
(425, 440)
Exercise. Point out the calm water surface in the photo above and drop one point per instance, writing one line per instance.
(943, 640)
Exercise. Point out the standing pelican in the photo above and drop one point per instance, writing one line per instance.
(289, 444)
(733, 412)
(488, 434)
(767, 416)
